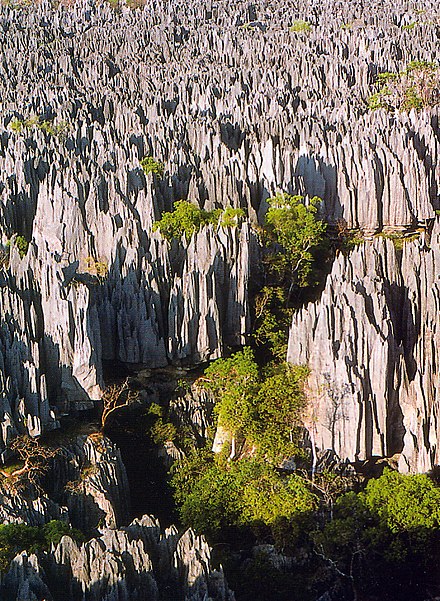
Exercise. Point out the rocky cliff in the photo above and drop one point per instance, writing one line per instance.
(372, 344)
(236, 105)
(139, 562)
(86, 486)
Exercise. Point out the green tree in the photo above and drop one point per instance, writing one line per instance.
(416, 87)
(264, 408)
(279, 404)
(296, 236)
(216, 495)
(382, 538)
(235, 382)
(272, 321)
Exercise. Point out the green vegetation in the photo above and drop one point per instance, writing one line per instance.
(260, 407)
(231, 217)
(409, 26)
(272, 321)
(187, 218)
(417, 87)
(15, 538)
(21, 244)
(159, 429)
(49, 127)
(96, 267)
(382, 537)
(295, 236)
(399, 239)
(215, 495)
(151, 166)
(348, 239)
(294, 260)
(300, 26)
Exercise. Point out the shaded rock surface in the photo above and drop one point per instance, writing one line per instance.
(122, 562)
(372, 344)
(139, 562)
(86, 485)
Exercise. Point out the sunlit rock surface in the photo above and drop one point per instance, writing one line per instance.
(372, 344)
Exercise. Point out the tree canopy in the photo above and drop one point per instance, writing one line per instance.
(296, 233)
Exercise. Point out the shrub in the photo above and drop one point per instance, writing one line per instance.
(231, 217)
(96, 267)
(272, 321)
(21, 244)
(347, 239)
(417, 87)
(409, 26)
(15, 538)
(59, 130)
(151, 166)
(399, 240)
(300, 26)
(187, 218)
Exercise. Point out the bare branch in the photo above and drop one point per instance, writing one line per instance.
(116, 397)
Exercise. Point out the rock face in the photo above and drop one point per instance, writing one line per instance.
(139, 562)
(236, 105)
(372, 344)
(86, 485)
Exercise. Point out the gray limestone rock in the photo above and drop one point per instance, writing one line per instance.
(137, 563)
(236, 106)
(371, 343)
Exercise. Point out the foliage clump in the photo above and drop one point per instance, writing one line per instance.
(294, 260)
(21, 244)
(300, 26)
(34, 122)
(417, 87)
(159, 429)
(399, 239)
(382, 537)
(347, 238)
(215, 495)
(187, 218)
(96, 267)
(151, 166)
(261, 407)
(295, 235)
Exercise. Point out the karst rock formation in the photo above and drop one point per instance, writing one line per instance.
(237, 106)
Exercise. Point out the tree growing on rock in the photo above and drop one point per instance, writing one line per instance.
(34, 458)
(116, 397)
(296, 234)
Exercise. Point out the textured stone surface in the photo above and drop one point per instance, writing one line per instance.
(137, 563)
(236, 106)
(372, 344)
(86, 485)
